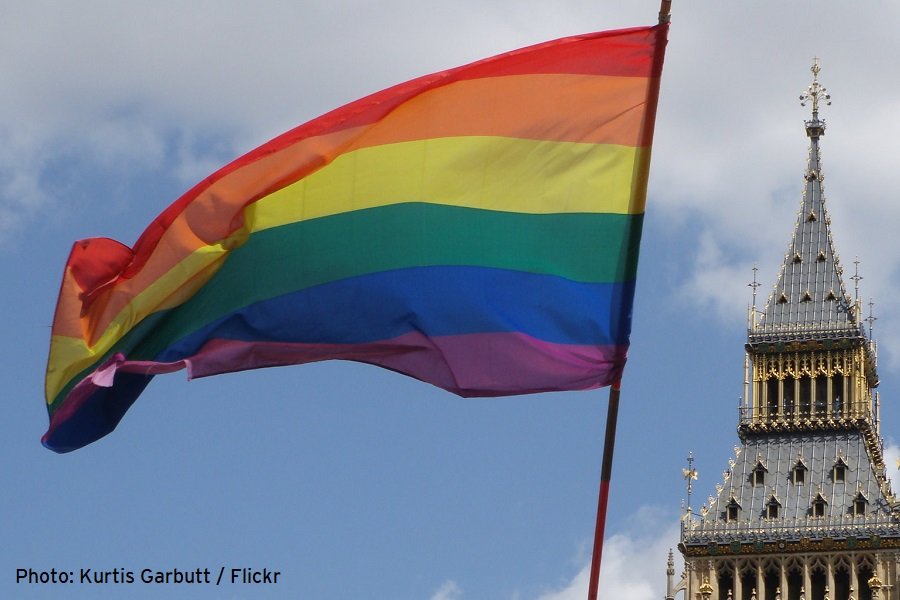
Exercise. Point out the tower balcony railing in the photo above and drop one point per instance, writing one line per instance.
(853, 418)
(695, 531)
(785, 332)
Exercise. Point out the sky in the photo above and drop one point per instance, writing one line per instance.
(354, 482)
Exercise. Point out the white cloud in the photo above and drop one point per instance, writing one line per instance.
(634, 562)
(125, 89)
(716, 283)
(21, 194)
(449, 590)
(891, 459)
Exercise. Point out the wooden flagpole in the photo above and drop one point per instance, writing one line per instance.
(612, 415)
(665, 11)
(609, 442)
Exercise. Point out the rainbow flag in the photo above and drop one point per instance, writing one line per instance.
(477, 229)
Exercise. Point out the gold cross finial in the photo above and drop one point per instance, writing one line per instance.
(754, 284)
(815, 91)
(690, 475)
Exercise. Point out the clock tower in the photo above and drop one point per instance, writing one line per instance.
(804, 510)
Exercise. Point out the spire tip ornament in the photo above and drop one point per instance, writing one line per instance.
(815, 93)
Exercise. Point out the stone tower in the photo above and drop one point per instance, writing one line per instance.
(804, 510)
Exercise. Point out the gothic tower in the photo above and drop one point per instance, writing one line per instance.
(804, 510)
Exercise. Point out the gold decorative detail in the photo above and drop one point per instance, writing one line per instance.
(815, 92)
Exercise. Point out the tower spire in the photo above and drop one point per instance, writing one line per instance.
(808, 484)
(810, 299)
(810, 314)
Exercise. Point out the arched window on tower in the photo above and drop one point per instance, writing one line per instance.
(821, 396)
(787, 401)
(805, 396)
(798, 473)
(863, 575)
(772, 580)
(839, 471)
(732, 511)
(787, 390)
(748, 582)
(818, 506)
(842, 579)
(794, 581)
(860, 503)
(772, 397)
(818, 580)
(726, 583)
(837, 395)
(758, 475)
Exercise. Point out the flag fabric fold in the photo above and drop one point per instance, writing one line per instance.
(477, 229)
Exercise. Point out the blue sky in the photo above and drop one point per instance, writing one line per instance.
(355, 482)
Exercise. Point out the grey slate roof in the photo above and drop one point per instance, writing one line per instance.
(809, 300)
(779, 454)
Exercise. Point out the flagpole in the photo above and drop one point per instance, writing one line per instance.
(665, 10)
(612, 415)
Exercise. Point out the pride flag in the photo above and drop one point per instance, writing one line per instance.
(477, 229)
